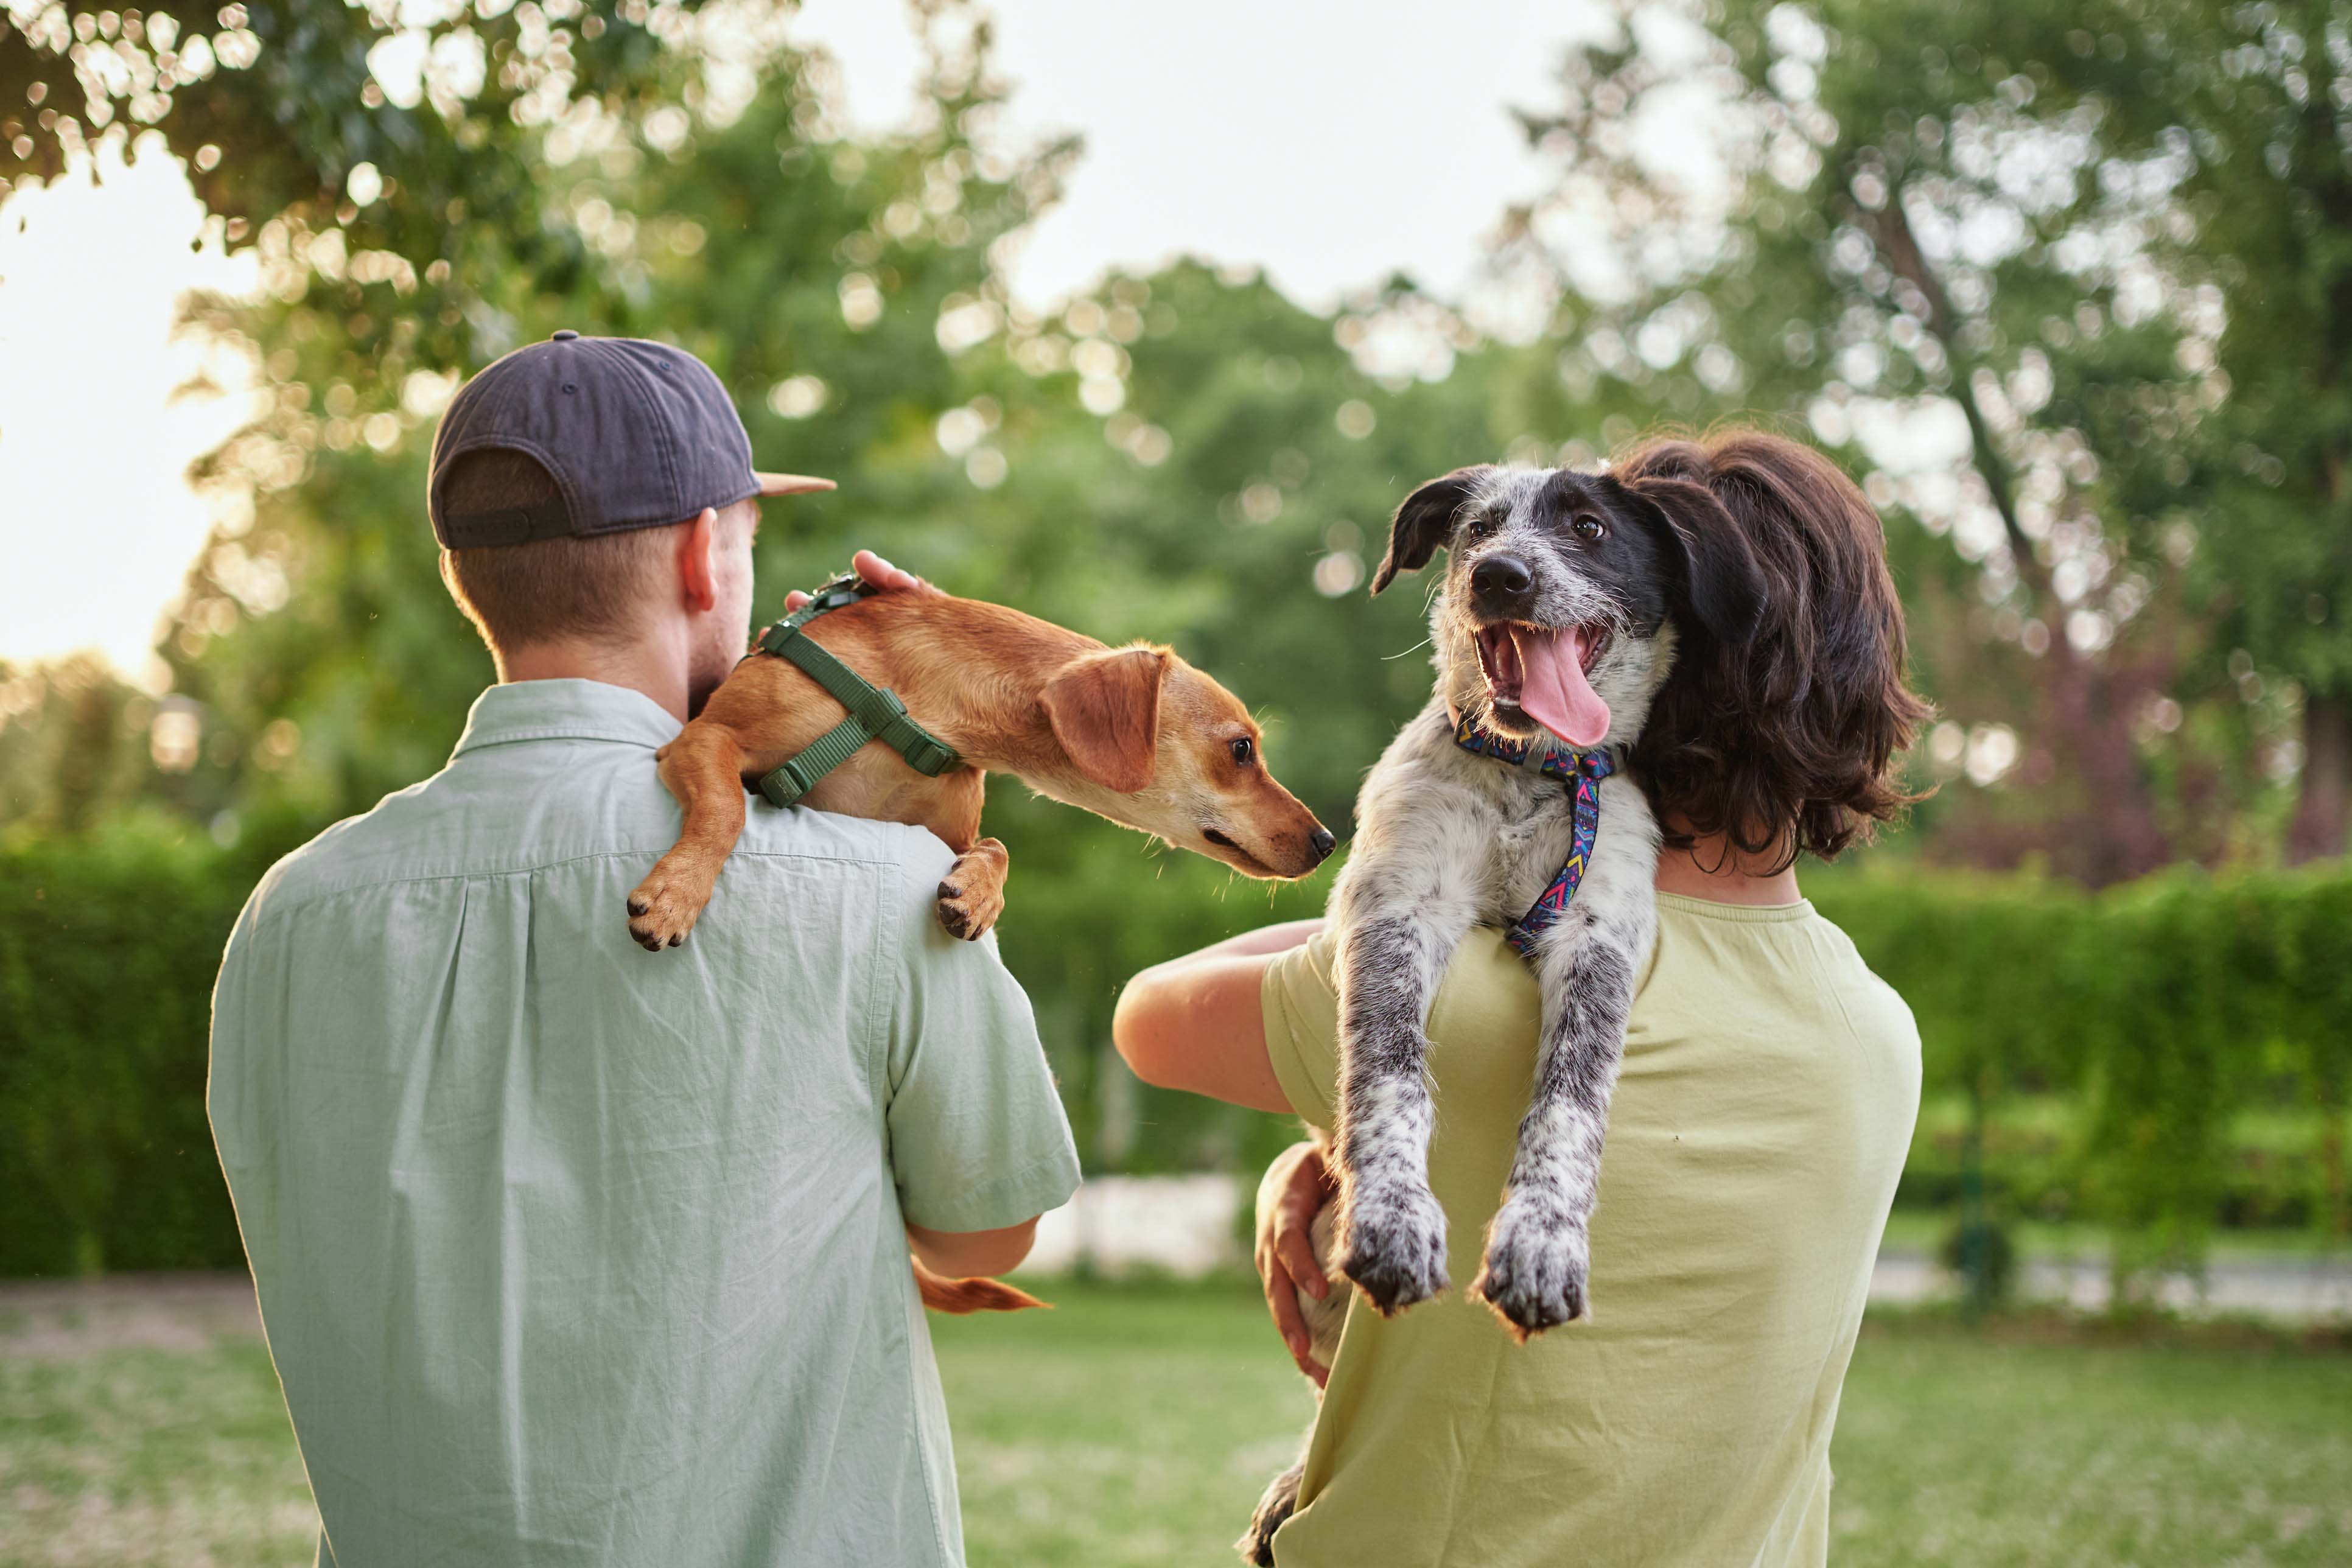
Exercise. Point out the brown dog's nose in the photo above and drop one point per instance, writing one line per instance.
(1501, 583)
(1321, 842)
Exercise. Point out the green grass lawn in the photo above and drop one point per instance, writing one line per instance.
(1135, 1426)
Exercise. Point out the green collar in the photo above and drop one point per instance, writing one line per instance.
(874, 712)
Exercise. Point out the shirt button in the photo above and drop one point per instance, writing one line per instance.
(563, 336)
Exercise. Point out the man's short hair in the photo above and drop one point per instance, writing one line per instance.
(1793, 743)
(591, 587)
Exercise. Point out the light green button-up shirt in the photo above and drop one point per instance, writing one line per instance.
(573, 1253)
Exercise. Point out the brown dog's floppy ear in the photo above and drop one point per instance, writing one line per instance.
(1425, 520)
(1105, 710)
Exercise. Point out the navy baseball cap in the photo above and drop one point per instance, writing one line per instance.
(635, 433)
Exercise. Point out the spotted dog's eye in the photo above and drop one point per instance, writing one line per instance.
(1244, 750)
(1588, 527)
(1478, 525)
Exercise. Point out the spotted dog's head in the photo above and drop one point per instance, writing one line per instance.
(1564, 592)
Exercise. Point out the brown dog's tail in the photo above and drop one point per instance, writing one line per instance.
(960, 1296)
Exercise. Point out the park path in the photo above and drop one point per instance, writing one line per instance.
(69, 1319)
(2291, 1291)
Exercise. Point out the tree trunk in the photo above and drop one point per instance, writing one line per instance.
(2324, 814)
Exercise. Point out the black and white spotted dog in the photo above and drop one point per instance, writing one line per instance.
(1564, 595)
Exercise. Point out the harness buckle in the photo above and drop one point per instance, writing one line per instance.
(786, 786)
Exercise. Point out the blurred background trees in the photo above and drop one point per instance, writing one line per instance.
(2064, 288)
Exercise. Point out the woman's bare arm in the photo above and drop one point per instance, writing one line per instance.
(1195, 1023)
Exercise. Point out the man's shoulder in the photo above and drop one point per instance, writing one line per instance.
(800, 832)
(453, 826)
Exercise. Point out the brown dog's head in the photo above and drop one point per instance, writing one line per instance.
(1155, 744)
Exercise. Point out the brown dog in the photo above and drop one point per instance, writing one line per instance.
(1134, 734)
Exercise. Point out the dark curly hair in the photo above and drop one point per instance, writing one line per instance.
(1787, 745)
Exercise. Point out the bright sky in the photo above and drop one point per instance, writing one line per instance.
(1332, 142)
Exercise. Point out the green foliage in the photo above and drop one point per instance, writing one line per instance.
(279, 111)
(2161, 1057)
(108, 947)
(2062, 281)
(2161, 1009)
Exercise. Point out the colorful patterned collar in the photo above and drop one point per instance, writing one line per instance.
(1581, 771)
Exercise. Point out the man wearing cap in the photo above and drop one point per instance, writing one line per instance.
(568, 1252)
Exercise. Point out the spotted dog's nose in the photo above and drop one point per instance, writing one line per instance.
(1502, 584)
(1321, 842)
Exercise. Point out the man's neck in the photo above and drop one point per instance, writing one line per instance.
(656, 671)
(1712, 870)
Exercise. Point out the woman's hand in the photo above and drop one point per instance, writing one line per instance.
(1294, 1191)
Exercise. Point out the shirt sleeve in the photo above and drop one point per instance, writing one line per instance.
(1301, 1003)
(978, 1137)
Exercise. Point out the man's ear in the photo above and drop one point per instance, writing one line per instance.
(1425, 520)
(697, 561)
(1105, 711)
(1721, 582)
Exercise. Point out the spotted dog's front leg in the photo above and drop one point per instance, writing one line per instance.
(1390, 960)
(1538, 1249)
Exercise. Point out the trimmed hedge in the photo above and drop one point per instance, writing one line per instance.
(2167, 1011)
(108, 949)
(2162, 1057)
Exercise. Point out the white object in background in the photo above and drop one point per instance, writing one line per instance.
(1183, 1226)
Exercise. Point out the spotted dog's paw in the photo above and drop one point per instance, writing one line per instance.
(969, 913)
(1538, 1265)
(1395, 1245)
(664, 909)
(1280, 1501)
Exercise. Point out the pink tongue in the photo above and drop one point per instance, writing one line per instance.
(1555, 693)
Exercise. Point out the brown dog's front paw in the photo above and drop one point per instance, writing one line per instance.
(970, 913)
(973, 895)
(661, 911)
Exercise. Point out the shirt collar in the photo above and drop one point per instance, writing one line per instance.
(565, 710)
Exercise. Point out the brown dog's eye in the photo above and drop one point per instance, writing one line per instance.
(1243, 752)
(1588, 527)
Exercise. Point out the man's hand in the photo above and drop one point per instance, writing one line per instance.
(878, 573)
(1294, 1191)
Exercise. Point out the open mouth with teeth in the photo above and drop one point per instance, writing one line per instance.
(1542, 675)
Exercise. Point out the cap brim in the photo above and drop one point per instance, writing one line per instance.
(789, 484)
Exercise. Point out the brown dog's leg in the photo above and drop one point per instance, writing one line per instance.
(973, 896)
(704, 769)
(960, 1296)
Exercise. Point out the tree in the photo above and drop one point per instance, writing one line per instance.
(311, 117)
(1921, 234)
(2247, 109)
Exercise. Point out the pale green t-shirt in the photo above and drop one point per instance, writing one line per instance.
(1770, 1085)
(571, 1253)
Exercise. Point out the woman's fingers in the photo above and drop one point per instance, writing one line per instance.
(1288, 1321)
(1294, 1191)
(1305, 1191)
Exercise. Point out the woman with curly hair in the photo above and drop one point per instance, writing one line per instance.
(1759, 1123)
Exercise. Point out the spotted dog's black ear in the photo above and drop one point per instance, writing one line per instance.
(1424, 520)
(1722, 583)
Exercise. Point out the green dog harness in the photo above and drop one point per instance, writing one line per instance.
(874, 712)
